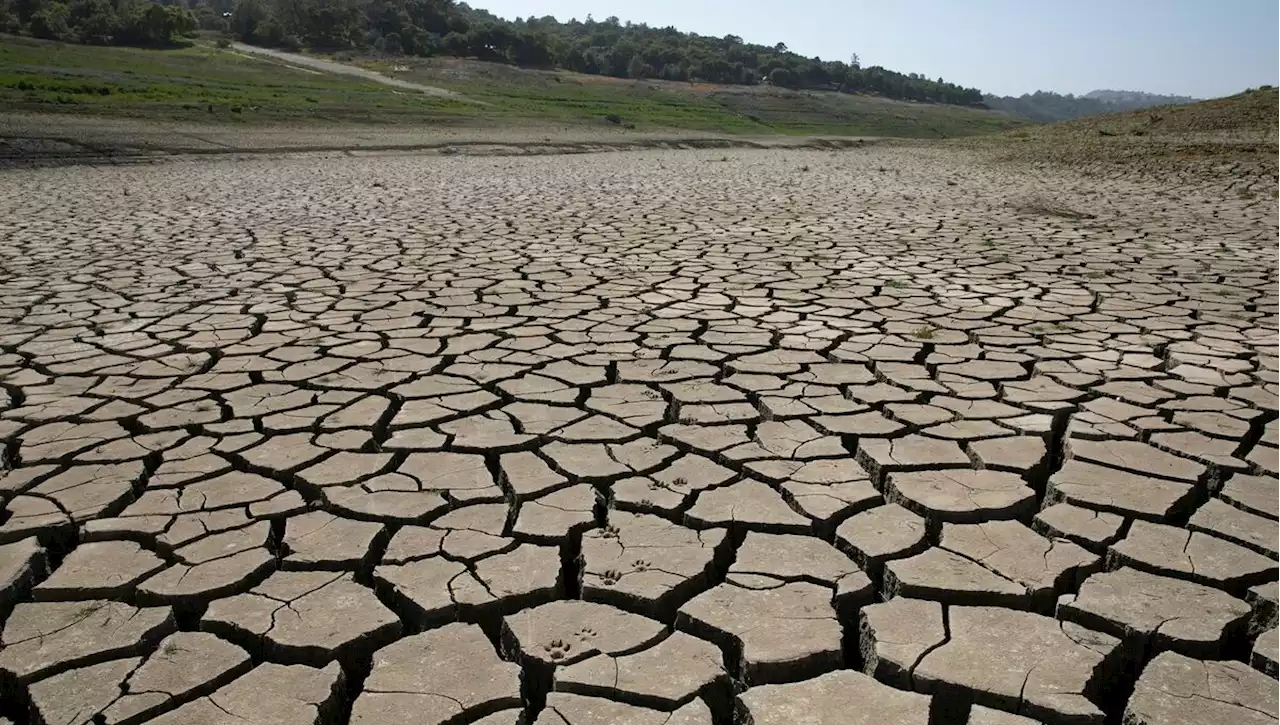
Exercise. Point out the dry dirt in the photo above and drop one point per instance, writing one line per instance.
(882, 435)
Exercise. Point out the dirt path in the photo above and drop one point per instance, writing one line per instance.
(329, 66)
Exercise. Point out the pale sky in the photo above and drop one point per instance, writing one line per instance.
(1007, 47)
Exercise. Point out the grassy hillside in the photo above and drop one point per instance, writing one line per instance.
(519, 93)
(205, 84)
(199, 83)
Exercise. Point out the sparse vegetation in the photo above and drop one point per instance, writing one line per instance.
(202, 84)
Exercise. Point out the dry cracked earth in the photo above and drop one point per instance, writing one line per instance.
(660, 438)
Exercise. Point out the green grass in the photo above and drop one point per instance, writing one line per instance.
(567, 97)
(202, 83)
(194, 83)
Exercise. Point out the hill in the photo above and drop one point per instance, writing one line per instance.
(1130, 100)
(1236, 136)
(1049, 107)
(1246, 118)
(207, 84)
(432, 28)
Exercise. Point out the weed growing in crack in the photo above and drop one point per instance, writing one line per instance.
(923, 332)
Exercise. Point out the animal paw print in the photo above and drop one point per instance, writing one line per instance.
(610, 577)
(557, 649)
(641, 564)
(587, 633)
(609, 532)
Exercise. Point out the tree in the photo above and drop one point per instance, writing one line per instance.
(96, 21)
(637, 68)
(782, 77)
(154, 24)
(50, 22)
(854, 61)
(245, 19)
(391, 44)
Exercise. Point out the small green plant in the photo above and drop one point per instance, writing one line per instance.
(988, 243)
(1095, 274)
(895, 284)
(923, 332)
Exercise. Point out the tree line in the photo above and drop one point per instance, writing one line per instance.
(99, 22)
(445, 27)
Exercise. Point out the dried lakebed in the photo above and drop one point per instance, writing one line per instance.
(660, 438)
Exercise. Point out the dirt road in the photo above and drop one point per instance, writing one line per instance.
(329, 66)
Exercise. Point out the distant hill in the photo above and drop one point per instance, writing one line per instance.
(1050, 107)
(1131, 100)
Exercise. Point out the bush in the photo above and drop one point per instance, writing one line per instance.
(613, 118)
(50, 22)
(223, 43)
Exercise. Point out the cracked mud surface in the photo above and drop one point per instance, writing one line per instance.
(667, 438)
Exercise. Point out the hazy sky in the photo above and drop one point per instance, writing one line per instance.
(1202, 48)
